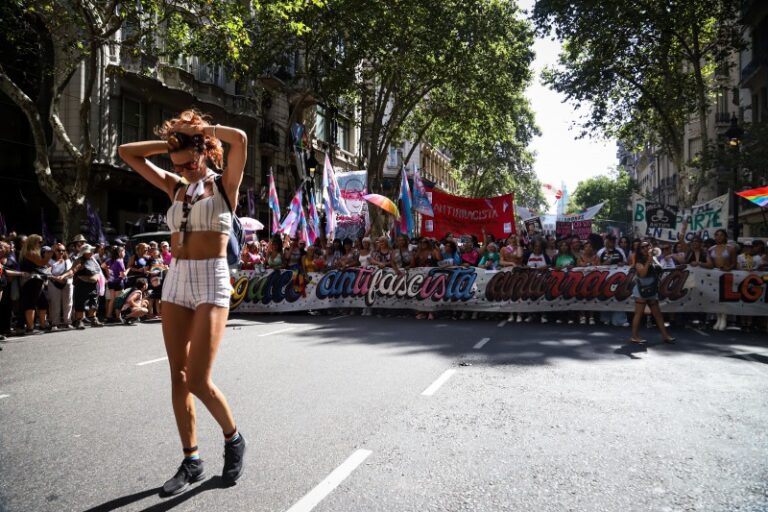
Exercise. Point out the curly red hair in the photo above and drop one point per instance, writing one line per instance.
(211, 145)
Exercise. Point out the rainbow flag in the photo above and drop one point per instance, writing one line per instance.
(274, 204)
(759, 196)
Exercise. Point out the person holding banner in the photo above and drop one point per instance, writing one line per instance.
(512, 253)
(197, 288)
(646, 292)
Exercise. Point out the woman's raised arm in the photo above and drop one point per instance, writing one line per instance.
(135, 154)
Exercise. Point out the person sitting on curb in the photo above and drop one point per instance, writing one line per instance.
(136, 304)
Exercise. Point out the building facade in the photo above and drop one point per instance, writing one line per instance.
(753, 83)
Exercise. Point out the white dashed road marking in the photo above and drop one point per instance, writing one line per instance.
(701, 332)
(502, 323)
(481, 343)
(275, 332)
(4, 396)
(152, 361)
(332, 481)
(439, 382)
(337, 317)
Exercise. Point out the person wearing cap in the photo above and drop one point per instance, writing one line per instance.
(165, 253)
(85, 295)
(75, 245)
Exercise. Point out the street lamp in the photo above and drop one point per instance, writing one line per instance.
(734, 133)
(311, 164)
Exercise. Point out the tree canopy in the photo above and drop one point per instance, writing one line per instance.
(615, 189)
(646, 68)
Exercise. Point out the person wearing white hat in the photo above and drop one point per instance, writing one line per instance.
(86, 272)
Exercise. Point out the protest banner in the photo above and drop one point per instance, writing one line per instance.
(579, 228)
(353, 186)
(702, 219)
(533, 226)
(683, 289)
(465, 215)
(563, 229)
(587, 214)
(582, 228)
(659, 216)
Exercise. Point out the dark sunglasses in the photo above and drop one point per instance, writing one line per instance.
(188, 166)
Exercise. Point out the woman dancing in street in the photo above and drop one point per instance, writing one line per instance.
(197, 288)
(646, 292)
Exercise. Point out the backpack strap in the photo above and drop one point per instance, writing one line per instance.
(220, 186)
(179, 185)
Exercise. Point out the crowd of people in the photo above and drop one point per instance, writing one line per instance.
(78, 284)
(74, 285)
(402, 253)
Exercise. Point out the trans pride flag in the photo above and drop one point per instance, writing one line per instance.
(314, 219)
(293, 219)
(334, 203)
(406, 217)
(274, 204)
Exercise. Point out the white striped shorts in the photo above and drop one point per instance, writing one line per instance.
(190, 283)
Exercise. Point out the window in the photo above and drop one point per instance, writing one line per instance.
(694, 148)
(132, 128)
(755, 108)
(392, 156)
(342, 133)
(722, 102)
(321, 133)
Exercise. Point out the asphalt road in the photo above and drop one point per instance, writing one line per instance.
(391, 414)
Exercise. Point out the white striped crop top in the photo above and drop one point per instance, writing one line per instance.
(208, 210)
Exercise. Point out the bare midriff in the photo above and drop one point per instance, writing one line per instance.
(200, 245)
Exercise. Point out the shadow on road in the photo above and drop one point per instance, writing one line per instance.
(213, 483)
(522, 344)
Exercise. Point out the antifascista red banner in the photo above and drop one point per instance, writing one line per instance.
(468, 216)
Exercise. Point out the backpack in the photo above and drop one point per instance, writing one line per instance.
(236, 233)
(120, 299)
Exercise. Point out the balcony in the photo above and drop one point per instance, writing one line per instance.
(723, 118)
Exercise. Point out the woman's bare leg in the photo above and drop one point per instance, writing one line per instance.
(656, 312)
(639, 313)
(177, 328)
(207, 330)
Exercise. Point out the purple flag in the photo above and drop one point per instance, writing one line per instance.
(95, 233)
(44, 231)
(251, 203)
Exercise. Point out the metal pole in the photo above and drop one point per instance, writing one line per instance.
(735, 200)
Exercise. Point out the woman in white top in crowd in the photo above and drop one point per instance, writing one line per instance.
(60, 288)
